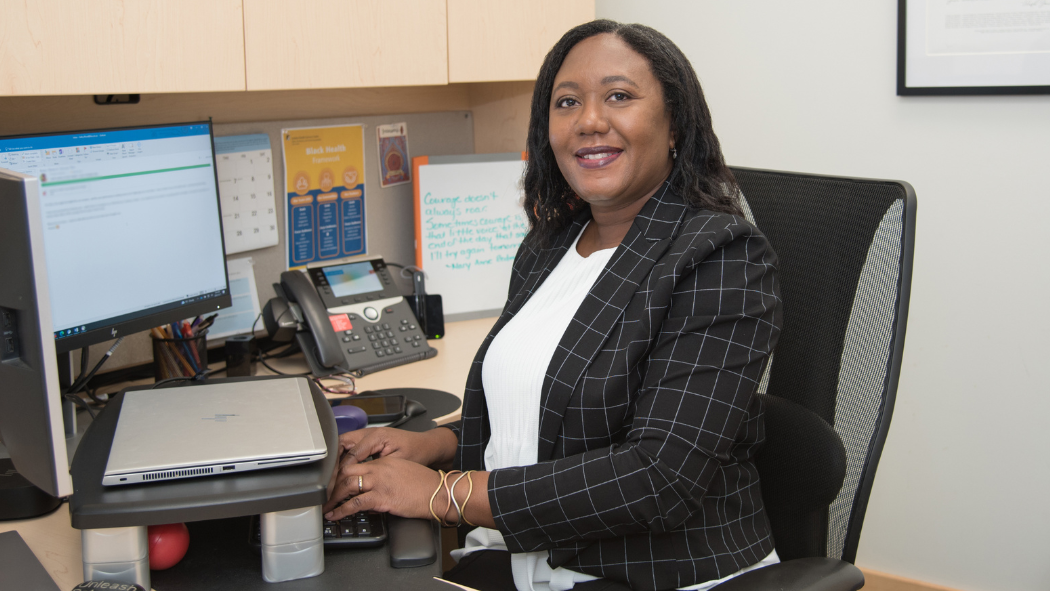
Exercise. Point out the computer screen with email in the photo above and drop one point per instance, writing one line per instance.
(132, 227)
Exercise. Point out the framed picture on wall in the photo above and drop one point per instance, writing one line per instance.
(967, 47)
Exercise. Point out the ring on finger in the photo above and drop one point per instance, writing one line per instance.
(360, 483)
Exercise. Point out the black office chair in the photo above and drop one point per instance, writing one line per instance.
(845, 248)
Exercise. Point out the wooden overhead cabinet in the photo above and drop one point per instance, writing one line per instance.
(300, 44)
(491, 41)
(120, 46)
(77, 47)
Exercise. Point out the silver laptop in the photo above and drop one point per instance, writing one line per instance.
(214, 429)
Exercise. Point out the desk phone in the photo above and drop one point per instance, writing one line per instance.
(351, 318)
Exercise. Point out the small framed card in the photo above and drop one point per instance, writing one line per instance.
(394, 164)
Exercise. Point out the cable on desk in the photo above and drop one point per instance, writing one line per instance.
(273, 345)
(98, 400)
(83, 379)
(290, 350)
(263, 356)
(79, 402)
(85, 357)
(257, 321)
(262, 360)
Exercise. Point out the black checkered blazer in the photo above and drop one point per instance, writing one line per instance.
(649, 420)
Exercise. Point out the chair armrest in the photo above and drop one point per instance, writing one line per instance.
(802, 574)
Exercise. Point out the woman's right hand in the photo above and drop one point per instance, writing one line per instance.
(434, 447)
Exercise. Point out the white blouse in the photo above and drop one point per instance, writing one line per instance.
(512, 375)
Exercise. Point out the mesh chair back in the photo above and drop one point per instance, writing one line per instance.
(845, 248)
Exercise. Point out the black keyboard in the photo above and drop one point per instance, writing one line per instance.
(360, 530)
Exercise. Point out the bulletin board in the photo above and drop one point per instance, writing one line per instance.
(389, 210)
(469, 224)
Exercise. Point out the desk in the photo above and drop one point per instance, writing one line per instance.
(57, 545)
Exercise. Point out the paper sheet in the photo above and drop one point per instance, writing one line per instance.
(244, 164)
(238, 319)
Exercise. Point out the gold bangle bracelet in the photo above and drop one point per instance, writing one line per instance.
(444, 482)
(441, 474)
(459, 510)
(463, 511)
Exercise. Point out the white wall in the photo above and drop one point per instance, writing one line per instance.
(962, 496)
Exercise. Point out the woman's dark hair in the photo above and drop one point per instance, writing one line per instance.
(700, 175)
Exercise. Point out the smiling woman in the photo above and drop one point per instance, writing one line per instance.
(702, 176)
(610, 133)
(610, 419)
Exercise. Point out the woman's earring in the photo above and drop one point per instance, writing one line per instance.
(674, 153)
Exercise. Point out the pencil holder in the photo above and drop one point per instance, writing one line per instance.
(174, 358)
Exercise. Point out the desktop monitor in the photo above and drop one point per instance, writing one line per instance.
(131, 225)
(30, 414)
(102, 233)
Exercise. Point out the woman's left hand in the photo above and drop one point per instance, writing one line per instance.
(387, 485)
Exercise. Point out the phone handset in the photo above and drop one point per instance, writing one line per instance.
(299, 290)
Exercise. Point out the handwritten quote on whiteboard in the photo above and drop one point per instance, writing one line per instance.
(470, 226)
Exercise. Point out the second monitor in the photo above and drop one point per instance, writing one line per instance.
(131, 225)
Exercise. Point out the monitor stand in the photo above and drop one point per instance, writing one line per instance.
(19, 499)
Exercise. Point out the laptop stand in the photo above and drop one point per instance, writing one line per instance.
(113, 520)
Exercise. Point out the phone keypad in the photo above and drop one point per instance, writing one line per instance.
(387, 337)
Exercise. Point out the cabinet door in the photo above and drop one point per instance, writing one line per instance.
(491, 41)
(344, 43)
(120, 46)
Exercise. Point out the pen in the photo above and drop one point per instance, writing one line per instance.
(188, 351)
(170, 351)
(185, 364)
(177, 355)
(207, 322)
(191, 345)
(173, 367)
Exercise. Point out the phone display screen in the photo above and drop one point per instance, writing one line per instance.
(352, 279)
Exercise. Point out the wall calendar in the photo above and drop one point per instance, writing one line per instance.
(246, 194)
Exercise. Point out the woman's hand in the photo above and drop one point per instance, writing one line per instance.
(403, 490)
(388, 485)
(436, 446)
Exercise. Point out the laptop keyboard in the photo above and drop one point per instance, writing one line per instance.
(360, 530)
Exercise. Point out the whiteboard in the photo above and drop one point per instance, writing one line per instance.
(469, 224)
